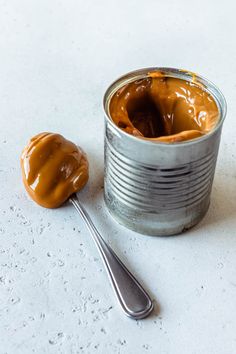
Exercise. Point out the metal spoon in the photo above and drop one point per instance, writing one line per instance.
(133, 299)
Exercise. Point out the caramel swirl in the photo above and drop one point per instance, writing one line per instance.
(53, 168)
(164, 109)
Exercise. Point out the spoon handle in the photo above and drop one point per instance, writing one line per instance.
(133, 299)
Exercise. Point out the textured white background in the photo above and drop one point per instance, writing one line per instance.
(56, 60)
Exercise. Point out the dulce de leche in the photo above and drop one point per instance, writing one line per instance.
(53, 168)
(164, 109)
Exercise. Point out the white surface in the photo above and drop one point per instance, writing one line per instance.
(56, 60)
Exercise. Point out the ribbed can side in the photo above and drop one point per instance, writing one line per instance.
(158, 188)
(158, 199)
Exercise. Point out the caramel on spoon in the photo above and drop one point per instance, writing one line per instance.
(53, 170)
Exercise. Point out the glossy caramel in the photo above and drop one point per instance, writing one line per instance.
(53, 168)
(164, 109)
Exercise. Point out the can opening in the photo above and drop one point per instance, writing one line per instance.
(164, 108)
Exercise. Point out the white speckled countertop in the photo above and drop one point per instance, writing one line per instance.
(56, 60)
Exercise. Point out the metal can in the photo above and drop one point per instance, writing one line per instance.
(158, 188)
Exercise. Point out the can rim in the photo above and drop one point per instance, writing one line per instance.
(171, 72)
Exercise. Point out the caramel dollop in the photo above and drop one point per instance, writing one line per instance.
(164, 109)
(53, 168)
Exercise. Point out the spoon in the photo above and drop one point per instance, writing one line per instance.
(53, 170)
(133, 299)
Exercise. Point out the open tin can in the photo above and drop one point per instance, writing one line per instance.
(158, 188)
